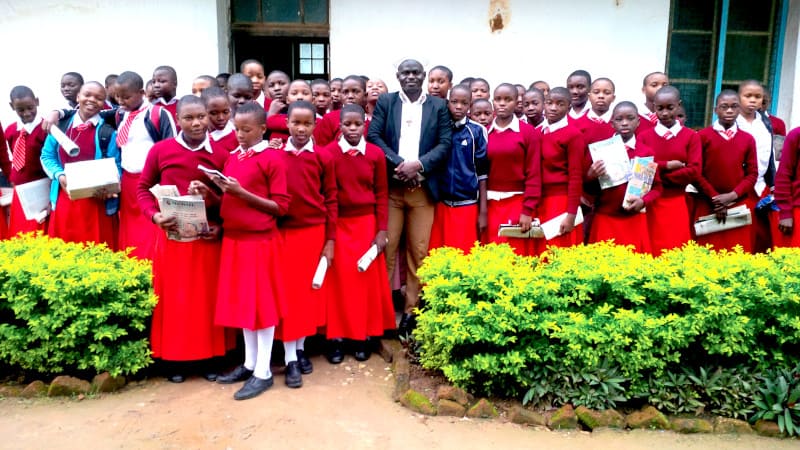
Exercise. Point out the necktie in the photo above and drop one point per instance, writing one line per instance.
(728, 134)
(246, 154)
(83, 127)
(18, 156)
(353, 152)
(652, 117)
(295, 152)
(596, 120)
(668, 135)
(545, 130)
(122, 134)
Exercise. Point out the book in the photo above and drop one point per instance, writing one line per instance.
(190, 212)
(6, 195)
(547, 230)
(93, 177)
(212, 172)
(515, 231)
(552, 227)
(615, 157)
(736, 218)
(34, 197)
(643, 172)
(160, 191)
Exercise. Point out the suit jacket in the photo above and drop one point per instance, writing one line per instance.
(435, 138)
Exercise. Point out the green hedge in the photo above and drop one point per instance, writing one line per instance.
(66, 307)
(600, 324)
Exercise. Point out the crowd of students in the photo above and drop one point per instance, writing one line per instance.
(302, 183)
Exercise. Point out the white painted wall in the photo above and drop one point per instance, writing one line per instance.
(789, 93)
(181, 33)
(619, 39)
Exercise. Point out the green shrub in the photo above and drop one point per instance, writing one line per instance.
(778, 399)
(67, 306)
(600, 324)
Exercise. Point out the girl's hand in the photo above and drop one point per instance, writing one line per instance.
(103, 194)
(276, 106)
(197, 187)
(675, 164)
(62, 180)
(213, 233)
(634, 204)
(275, 143)
(723, 200)
(483, 223)
(229, 186)
(597, 170)
(786, 226)
(567, 225)
(381, 239)
(327, 251)
(164, 222)
(525, 223)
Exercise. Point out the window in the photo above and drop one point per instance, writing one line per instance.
(280, 11)
(717, 44)
(312, 59)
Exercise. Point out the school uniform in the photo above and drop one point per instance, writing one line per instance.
(612, 221)
(23, 166)
(171, 107)
(225, 138)
(594, 127)
(668, 216)
(573, 116)
(277, 127)
(83, 220)
(765, 223)
(787, 189)
(329, 128)
(359, 303)
(264, 101)
(778, 125)
(309, 222)
(514, 185)
(136, 134)
(729, 164)
(564, 156)
(647, 120)
(184, 273)
(456, 216)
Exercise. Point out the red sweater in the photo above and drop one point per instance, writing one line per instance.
(515, 164)
(311, 183)
(168, 162)
(32, 170)
(277, 128)
(727, 165)
(685, 147)
(563, 156)
(593, 131)
(361, 183)
(778, 126)
(328, 129)
(609, 201)
(787, 179)
(227, 143)
(644, 125)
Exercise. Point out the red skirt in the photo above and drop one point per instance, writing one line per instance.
(251, 292)
(624, 230)
(725, 239)
(301, 249)
(553, 206)
(83, 220)
(135, 230)
(504, 212)
(19, 224)
(793, 240)
(359, 303)
(668, 223)
(455, 226)
(185, 280)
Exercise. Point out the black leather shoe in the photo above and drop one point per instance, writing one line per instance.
(407, 324)
(253, 387)
(177, 378)
(240, 373)
(361, 350)
(335, 352)
(305, 364)
(210, 376)
(293, 377)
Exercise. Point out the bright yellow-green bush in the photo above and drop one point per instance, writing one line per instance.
(67, 306)
(603, 316)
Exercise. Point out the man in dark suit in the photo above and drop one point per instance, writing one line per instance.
(414, 131)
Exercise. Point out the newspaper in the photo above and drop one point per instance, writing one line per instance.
(736, 217)
(6, 195)
(615, 157)
(34, 197)
(87, 178)
(515, 231)
(643, 172)
(190, 212)
(169, 190)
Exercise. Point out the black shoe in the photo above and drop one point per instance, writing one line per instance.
(253, 387)
(335, 352)
(305, 364)
(407, 324)
(293, 377)
(177, 378)
(210, 376)
(240, 373)
(361, 350)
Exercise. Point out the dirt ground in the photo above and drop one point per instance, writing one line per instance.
(347, 406)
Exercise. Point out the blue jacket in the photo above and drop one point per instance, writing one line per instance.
(467, 164)
(54, 167)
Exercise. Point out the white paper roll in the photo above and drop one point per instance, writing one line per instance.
(66, 143)
(319, 275)
(367, 258)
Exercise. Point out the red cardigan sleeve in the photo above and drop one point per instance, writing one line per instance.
(5, 161)
(330, 193)
(533, 173)
(381, 188)
(694, 164)
(150, 176)
(786, 176)
(575, 163)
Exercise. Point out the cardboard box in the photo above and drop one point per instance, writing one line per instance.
(85, 178)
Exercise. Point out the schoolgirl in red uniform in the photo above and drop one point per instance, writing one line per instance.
(277, 127)
(220, 127)
(730, 170)
(359, 303)
(251, 289)
(678, 153)
(307, 233)
(254, 70)
(787, 192)
(647, 112)
(595, 125)
(353, 92)
(184, 273)
(514, 184)
(25, 139)
(83, 220)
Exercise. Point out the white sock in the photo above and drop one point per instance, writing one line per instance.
(250, 348)
(265, 337)
(290, 351)
(301, 344)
